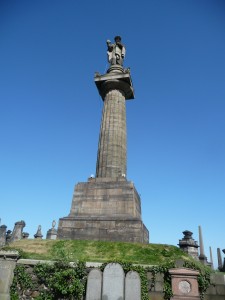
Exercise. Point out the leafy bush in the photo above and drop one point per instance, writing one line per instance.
(55, 281)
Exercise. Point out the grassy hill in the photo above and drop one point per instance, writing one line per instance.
(99, 251)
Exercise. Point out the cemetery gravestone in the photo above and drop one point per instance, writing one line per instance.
(113, 282)
(132, 286)
(94, 285)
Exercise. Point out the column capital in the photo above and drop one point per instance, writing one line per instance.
(115, 81)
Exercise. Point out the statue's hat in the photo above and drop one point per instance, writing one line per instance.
(117, 38)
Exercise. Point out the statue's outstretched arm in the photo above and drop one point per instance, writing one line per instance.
(109, 45)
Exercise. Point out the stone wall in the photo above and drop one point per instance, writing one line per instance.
(216, 291)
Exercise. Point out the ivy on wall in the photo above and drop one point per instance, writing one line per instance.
(162, 269)
(62, 280)
(50, 281)
(203, 277)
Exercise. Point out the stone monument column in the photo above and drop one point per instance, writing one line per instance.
(108, 207)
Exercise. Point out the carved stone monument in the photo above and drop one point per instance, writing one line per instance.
(52, 233)
(38, 234)
(108, 206)
(188, 244)
(184, 284)
(17, 233)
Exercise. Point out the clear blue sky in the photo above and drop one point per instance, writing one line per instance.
(50, 109)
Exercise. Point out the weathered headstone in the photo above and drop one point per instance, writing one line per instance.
(132, 286)
(94, 285)
(7, 266)
(17, 233)
(113, 282)
(2, 235)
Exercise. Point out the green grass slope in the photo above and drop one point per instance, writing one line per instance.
(99, 251)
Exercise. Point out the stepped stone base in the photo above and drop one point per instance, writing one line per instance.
(104, 209)
(106, 230)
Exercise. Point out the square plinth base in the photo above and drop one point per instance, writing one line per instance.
(105, 229)
(104, 209)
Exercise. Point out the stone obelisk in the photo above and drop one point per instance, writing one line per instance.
(108, 207)
(219, 257)
(202, 257)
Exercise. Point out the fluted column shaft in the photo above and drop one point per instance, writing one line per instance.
(111, 160)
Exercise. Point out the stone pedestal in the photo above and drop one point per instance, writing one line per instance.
(104, 209)
(184, 284)
(51, 234)
(7, 266)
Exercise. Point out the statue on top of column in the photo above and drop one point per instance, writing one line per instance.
(116, 52)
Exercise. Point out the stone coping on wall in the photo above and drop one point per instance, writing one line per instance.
(32, 262)
(9, 254)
